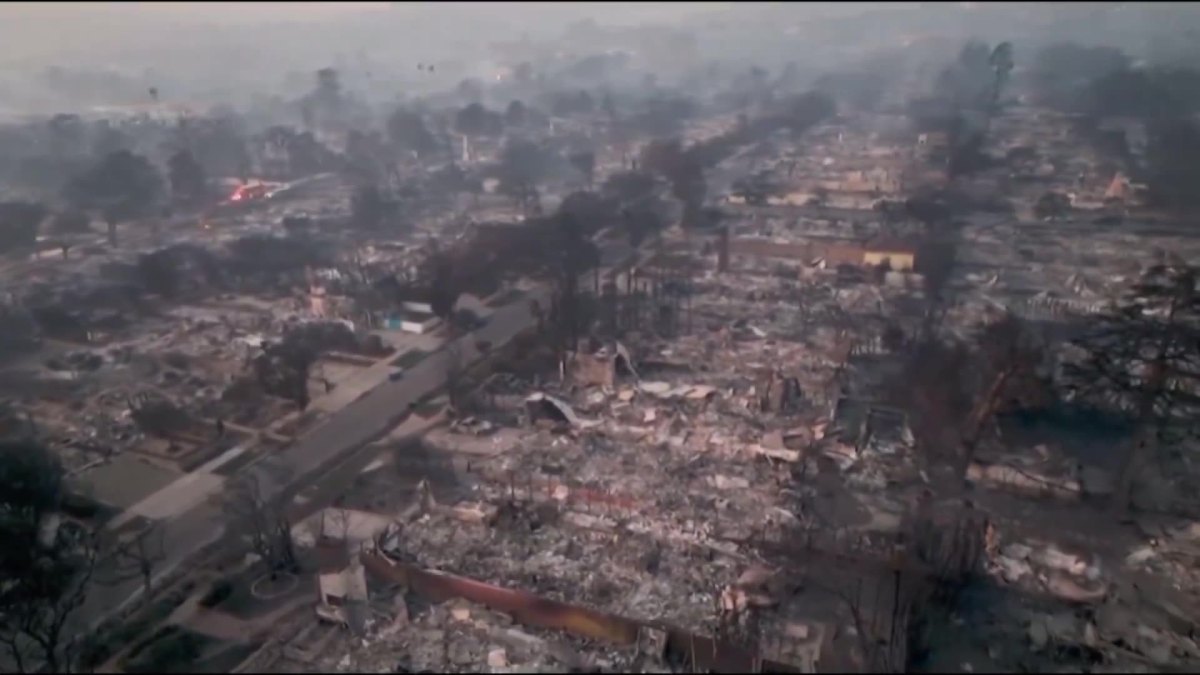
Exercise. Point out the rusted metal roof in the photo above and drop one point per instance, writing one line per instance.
(701, 654)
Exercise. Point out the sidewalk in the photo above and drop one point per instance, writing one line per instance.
(184, 493)
(191, 520)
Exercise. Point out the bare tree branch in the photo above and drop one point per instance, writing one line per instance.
(137, 558)
(1140, 361)
(262, 521)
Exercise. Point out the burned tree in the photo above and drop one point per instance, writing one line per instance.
(363, 161)
(454, 373)
(444, 290)
(584, 162)
(629, 187)
(522, 165)
(797, 114)
(47, 562)
(1001, 63)
(1060, 71)
(639, 206)
(1142, 361)
(176, 269)
(370, 210)
(567, 104)
(880, 617)
(476, 120)
(935, 262)
(157, 416)
(1052, 206)
(18, 333)
(122, 186)
(966, 97)
(452, 179)
(262, 521)
(189, 186)
(137, 558)
(935, 396)
(588, 211)
(515, 115)
(1171, 157)
(217, 143)
(286, 153)
(573, 254)
(282, 370)
(19, 224)
(952, 392)
(685, 171)
(283, 367)
(928, 208)
(262, 256)
(970, 80)
(408, 132)
(1010, 357)
(937, 256)
(69, 222)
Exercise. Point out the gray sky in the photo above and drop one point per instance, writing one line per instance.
(44, 30)
(230, 52)
(39, 33)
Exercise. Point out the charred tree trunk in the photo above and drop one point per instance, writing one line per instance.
(723, 251)
(984, 411)
(1144, 440)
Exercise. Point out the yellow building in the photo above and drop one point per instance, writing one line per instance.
(899, 256)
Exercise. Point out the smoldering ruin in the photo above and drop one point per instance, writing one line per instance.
(788, 338)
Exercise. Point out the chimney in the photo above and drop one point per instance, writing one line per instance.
(466, 149)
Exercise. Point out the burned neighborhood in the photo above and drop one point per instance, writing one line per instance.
(600, 337)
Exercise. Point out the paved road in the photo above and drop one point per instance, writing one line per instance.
(359, 423)
(294, 467)
(380, 409)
